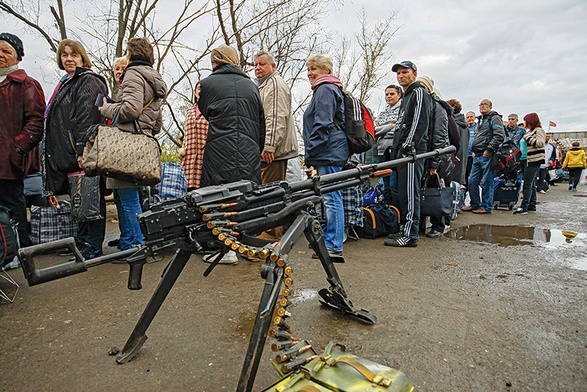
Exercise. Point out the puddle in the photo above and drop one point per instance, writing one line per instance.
(518, 235)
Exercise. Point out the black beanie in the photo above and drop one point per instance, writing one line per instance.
(15, 42)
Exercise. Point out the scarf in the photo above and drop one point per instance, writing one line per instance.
(225, 54)
(5, 71)
(328, 78)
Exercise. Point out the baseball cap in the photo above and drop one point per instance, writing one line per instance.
(404, 64)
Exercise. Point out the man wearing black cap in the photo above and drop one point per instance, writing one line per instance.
(410, 137)
(22, 103)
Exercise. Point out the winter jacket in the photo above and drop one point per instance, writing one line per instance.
(230, 101)
(458, 171)
(21, 125)
(437, 132)
(280, 133)
(71, 112)
(139, 104)
(535, 146)
(489, 134)
(514, 134)
(385, 130)
(324, 141)
(139, 99)
(414, 118)
(575, 158)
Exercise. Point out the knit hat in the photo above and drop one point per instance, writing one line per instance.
(428, 82)
(576, 144)
(225, 54)
(15, 42)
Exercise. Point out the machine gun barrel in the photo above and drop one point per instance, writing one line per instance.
(337, 181)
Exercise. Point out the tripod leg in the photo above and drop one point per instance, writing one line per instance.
(335, 296)
(260, 329)
(138, 336)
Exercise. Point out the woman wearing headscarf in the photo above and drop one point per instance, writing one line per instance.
(138, 105)
(194, 141)
(70, 112)
(325, 141)
(231, 103)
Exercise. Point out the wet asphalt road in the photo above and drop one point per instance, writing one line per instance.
(485, 308)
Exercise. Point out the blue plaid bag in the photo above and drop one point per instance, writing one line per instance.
(52, 223)
(173, 181)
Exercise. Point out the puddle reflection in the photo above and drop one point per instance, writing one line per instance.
(517, 235)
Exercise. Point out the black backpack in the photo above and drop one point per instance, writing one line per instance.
(8, 238)
(359, 126)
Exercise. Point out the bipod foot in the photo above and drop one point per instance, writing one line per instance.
(131, 349)
(336, 301)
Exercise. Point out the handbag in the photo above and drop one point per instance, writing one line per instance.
(131, 156)
(52, 223)
(84, 192)
(173, 181)
(435, 201)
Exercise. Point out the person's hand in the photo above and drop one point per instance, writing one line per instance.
(432, 171)
(472, 155)
(267, 156)
(486, 154)
(79, 161)
(457, 159)
(104, 100)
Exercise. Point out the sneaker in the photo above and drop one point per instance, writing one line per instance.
(542, 191)
(570, 187)
(114, 243)
(332, 253)
(395, 235)
(468, 208)
(531, 209)
(574, 189)
(434, 234)
(401, 242)
(521, 211)
(228, 258)
(481, 211)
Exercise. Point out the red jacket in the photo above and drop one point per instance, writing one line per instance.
(21, 125)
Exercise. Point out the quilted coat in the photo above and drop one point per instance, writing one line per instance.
(21, 124)
(231, 103)
(70, 114)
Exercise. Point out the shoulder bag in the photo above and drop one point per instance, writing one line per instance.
(131, 156)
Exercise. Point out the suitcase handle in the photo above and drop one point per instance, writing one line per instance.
(362, 369)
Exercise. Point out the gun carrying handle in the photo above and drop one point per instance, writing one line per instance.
(36, 276)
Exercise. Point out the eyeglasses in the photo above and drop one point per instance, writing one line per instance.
(483, 104)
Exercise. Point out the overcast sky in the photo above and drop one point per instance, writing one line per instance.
(524, 55)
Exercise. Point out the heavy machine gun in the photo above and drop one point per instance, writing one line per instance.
(231, 217)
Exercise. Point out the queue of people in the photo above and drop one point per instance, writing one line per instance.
(237, 129)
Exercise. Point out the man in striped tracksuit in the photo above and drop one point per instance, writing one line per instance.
(410, 137)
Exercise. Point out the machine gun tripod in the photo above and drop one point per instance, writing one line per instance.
(232, 216)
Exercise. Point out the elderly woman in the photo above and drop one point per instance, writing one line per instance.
(21, 128)
(194, 141)
(138, 104)
(70, 111)
(118, 66)
(325, 141)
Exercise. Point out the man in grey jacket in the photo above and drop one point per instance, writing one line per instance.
(280, 136)
(488, 136)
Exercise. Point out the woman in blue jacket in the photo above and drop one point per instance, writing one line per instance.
(325, 141)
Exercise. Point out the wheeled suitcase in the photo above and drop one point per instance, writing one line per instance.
(506, 193)
(337, 370)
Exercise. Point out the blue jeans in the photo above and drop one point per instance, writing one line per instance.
(334, 231)
(481, 174)
(128, 206)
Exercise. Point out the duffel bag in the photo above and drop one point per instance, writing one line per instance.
(379, 220)
(337, 370)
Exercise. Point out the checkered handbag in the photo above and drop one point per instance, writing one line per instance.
(173, 181)
(52, 223)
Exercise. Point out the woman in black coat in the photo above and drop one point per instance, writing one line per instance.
(71, 110)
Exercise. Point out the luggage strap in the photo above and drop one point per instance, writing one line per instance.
(368, 374)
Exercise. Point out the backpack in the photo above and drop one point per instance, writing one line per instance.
(8, 238)
(379, 220)
(359, 126)
(506, 159)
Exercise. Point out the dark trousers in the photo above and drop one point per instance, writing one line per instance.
(468, 171)
(93, 232)
(529, 190)
(274, 171)
(409, 179)
(12, 197)
(574, 176)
